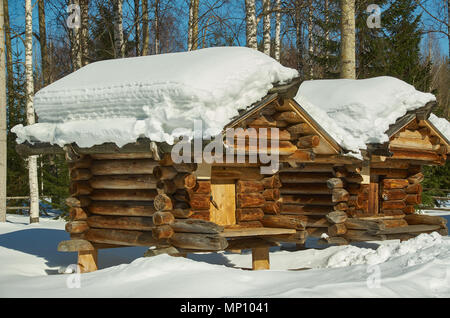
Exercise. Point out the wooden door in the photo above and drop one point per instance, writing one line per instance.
(374, 195)
(224, 197)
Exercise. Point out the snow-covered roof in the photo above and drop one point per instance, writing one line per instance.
(158, 96)
(358, 112)
(442, 125)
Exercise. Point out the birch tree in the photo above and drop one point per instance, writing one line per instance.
(137, 27)
(75, 49)
(43, 43)
(266, 26)
(145, 33)
(348, 65)
(32, 160)
(277, 42)
(193, 25)
(299, 37)
(310, 39)
(119, 47)
(3, 162)
(250, 19)
(84, 32)
(157, 43)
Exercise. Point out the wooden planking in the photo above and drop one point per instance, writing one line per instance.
(263, 231)
(224, 195)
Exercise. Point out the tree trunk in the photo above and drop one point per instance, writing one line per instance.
(119, 47)
(32, 161)
(76, 46)
(250, 19)
(84, 10)
(43, 44)
(137, 28)
(299, 38)
(145, 39)
(193, 24)
(310, 39)
(3, 161)
(277, 43)
(157, 42)
(348, 66)
(266, 26)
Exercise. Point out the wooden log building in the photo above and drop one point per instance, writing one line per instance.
(136, 195)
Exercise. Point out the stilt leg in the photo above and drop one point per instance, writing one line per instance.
(87, 260)
(260, 258)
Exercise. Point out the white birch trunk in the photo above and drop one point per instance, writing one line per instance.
(145, 32)
(195, 25)
(250, 19)
(3, 160)
(266, 26)
(84, 35)
(119, 47)
(310, 39)
(277, 42)
(137, 27)
(191, 20)
(348, 65)
(32, 161)
(157, 43)
(76, 44)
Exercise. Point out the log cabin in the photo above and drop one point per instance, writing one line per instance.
(136, 194)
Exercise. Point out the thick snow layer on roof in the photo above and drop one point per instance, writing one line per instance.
(357, 112)
(119, 100)
(441, 124)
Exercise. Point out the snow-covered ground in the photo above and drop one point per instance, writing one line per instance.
(30, 262)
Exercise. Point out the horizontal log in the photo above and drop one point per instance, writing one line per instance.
(123, 195)
(162, 232)
(334, 183)
(139, 223)
(247, 243)
(185, 181)
(333, 240)
(251, 186)
(415, 219)
(318, 199)
(410, 229)
(80, 174)
(284, 148)
(413, 199)
(166, 186)
(185, 167)
(283, 221)
(317, 232)
(305, 188)
(84, 162)
(163, 218)
(201, 187)
(77, 214)
(393, 194)
(309, 141)
(122, 237)
(390, 173)
(390, 164)
(115, 156)
(245, 225)
(196, 226)
(413, 188)
(308, 167)
(123, 182)
(209, 242)
(78, 202)
(409, 209)
(336, 217)
(164, 173)
(300, 129)
(232, 173)
(271, 182)
(395, 223)
(258, 133)
(182, 213)
(304, 177)
(121, 208)
(272, 207)
(271, 194)
(200, 201)
(353, 178)
(314, 221)
(163, 202)
(395, 183)
(201, 215)
(414, 155)
(337, 229)
(362, 236)
(416, 178)
(75, 246)
(128, 166)
(79, 188)
(393, 205)
(339, 195)
(76, 227)
(250, 200)
(290, 117)
(249, 214)
(305, 209)
(299, 156)
(361, 224)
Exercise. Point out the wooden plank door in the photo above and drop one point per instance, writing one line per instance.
(374, 195)
(224, 196)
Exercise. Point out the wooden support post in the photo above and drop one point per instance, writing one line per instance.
(88, 260)
(260, 258)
